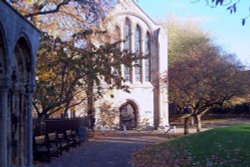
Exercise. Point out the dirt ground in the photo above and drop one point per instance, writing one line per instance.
(215, 123)
(158, 135)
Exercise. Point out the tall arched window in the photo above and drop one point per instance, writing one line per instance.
(117, 34)
(19, 111)
(138, 51)
(117, 37)
(147, 60)
(127, 47)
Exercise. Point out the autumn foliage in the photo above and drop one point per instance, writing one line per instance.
(65, 69)
(205, 78)
(218, 147)
(75, 61)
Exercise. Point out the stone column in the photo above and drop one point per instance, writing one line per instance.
(22, 126)
(29, 91)
(3, 122)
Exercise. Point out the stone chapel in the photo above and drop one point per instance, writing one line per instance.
(146, 105)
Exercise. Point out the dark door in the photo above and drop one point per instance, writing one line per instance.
(128, 116)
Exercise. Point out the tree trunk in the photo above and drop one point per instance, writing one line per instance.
(66, 113)
(191, 121)
(186, 125)
(90, 104)
(198, 123)
(39, 127)
(90, 98)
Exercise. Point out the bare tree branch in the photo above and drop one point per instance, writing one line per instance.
(49, 11)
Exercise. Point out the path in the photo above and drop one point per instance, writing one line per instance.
(115, 149)
(110, 150)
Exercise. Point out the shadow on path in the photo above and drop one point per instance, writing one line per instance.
(111, 150)
(114, 149)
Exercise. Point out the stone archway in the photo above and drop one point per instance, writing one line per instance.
(129, 115)
(3, 99)
(18, 104)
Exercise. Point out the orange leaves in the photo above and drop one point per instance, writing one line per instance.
(45, 75)
(203, 78)
(27, 1)
(63, 18)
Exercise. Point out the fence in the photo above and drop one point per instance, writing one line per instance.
(58, 125)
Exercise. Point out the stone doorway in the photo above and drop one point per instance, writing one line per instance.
(128, 115)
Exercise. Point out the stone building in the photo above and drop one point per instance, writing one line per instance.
(146, 104)
(19, 42)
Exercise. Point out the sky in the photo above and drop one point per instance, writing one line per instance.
(226, 29)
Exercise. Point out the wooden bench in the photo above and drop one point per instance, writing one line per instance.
(76, 136)
(65, 145)
(71, 140)
(43, 149)
(54, 142)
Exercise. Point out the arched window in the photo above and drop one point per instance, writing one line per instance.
(147, 60)
(138, 50)
(21, 74)
(117, 34)
(127, 35)
(117, 37)
(127, 47)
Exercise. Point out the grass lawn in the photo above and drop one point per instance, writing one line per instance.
(221, 147)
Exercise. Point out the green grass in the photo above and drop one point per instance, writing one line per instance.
(221, 147)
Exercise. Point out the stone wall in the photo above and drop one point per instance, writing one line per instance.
(147, 97)
(19, 42)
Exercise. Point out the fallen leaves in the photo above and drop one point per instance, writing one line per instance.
(222, 147)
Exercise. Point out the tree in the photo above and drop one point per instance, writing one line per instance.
(90, 8)
(231, 6)
(204, 78)
(183, 35)
(65, 70)
(73, 64)
(64, 18)
(108, 115)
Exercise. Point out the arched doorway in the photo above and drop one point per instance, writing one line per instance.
(128, 115)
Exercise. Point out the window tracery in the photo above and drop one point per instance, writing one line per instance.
(127, 47)
(147, 60)
(138, 51)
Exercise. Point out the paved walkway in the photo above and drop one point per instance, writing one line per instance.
(115, 149)
(110, 150)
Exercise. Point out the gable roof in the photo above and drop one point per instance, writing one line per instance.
(129, 7)
(20, 15)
